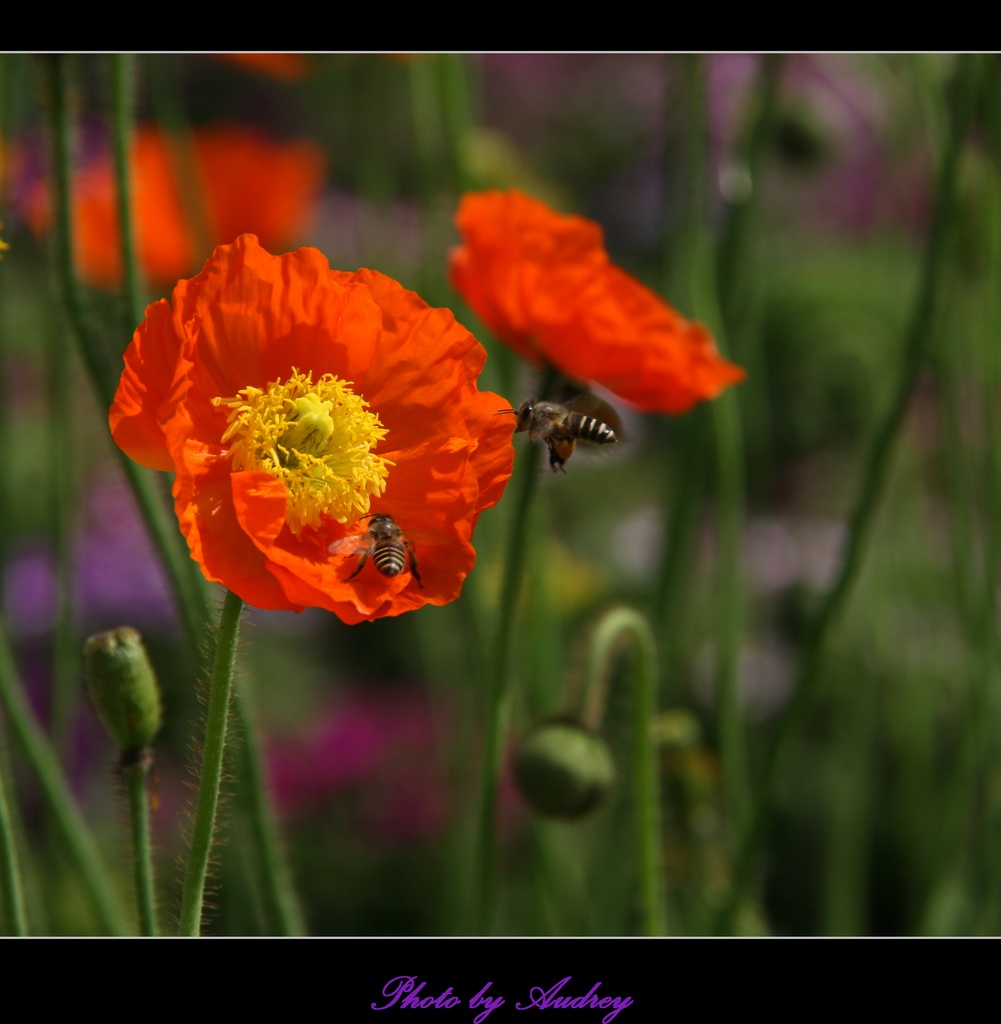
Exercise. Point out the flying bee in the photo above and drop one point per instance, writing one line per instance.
(385, 543)
(561, 427)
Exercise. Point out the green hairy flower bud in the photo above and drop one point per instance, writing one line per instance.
(123, 687)
(563, 770)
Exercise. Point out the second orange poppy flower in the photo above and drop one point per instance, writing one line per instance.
(240, 181)
(544, 284)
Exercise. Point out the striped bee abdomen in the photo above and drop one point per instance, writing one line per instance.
(588, 428)
(390, 557)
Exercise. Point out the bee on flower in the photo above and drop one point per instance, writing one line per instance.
(286, 397)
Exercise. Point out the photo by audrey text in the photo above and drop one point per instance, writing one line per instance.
(405, 992)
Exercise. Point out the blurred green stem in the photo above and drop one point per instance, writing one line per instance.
(740, 258)
(136, 772)
(441, 104)
(62, 490)
(166, 89)
(498, 684)
(849, 785)
(121, 123)
(425, 116)
(684, 497)
(278, 892)
(605, 642)
(79, 842)
(499, 694)
(457, 115)
(874, 477)
(742, 204)
(10, 872)
(970, 364)
(165, 536)
(729, 462)
(212, 765)
(990, 914)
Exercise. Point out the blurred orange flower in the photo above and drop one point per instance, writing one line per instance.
(244, 182)
(544, 283)
(290, 401)
(284, 66)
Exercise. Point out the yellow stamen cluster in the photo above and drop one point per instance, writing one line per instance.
(315, 437)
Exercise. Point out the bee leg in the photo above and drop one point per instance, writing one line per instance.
(413, 563)
(362, 559)
(559, 451)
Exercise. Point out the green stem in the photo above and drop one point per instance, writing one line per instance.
(190, 597)
(79, 842)
(212, 764)
(739, 259)
(278, 891)
(498, 684)
(121, 123)
(844, 880)
(735, 269)
(10, 871)
(603, 649)
(683, 496)
(136, 773)
(499, 693)
(62, 484)
(498, 689)
(457, 115)
(967, 829)
(991, 468)
(166, 90)
(729, 472)
(874, 477)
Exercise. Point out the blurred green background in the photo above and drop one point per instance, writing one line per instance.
(805, 207)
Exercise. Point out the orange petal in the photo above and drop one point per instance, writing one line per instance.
(146, 382)
(210, 522)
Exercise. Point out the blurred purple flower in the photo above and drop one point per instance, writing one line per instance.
(117, 578)
(843, 153)
(377, 750)
(26, 165)
(30, 590)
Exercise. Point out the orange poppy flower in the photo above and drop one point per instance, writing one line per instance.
(544, 283)
(292, 401)
(245, 182)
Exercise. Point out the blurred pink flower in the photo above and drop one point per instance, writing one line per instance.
(378, 752)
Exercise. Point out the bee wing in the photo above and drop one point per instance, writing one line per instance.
(354, 542)
(349, 545)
